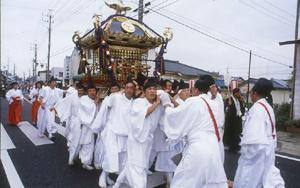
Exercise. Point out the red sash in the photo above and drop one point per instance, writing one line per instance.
(272, 124)
(213, 119)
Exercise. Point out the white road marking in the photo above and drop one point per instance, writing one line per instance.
(287, 157)
(6, 142)
(32, 134)
(10, 170)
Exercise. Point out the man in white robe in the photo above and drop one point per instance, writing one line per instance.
(145, 115)
(49, 96)
(218, 109)
(115, 133)
(201, 164)
(87, 112)
(71, 90)
(99, 124)
(256, 167)
(67, 109)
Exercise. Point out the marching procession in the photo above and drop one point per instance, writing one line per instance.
(126, 117)
(129, 132)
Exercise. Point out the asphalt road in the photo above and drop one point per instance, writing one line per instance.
(45, 165)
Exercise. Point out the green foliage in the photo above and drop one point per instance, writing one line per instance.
(282, 113)
(293, 123)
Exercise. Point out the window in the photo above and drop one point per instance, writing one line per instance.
(60, 74)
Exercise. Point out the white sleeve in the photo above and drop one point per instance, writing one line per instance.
(179, 121)
(138, 116)
(64, 108)
(21, 94)
(8, 95)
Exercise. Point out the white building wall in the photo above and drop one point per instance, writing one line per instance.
(74, 64)
(57, 72)
(280, 96)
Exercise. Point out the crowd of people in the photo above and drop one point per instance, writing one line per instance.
(150, 125)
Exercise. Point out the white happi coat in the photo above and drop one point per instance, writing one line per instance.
(140, 140)
(115, 133)
(201, 164)
(13, 93)
(67, 109)
(256, 166)
(86, 112)
(46, 118)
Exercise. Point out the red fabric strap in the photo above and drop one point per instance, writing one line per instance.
(272, 124)
(213, 119)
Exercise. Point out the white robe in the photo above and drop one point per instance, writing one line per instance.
(86, 112)
(140, 140)
(97, 127)
(165, 150)
(201, 164)
(34, 94)
(256, 166)
(13, 93)
(115, 133)
(220, 118)
(67, 109)
(46, 118)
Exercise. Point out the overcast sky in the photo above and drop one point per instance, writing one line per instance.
(256, 25)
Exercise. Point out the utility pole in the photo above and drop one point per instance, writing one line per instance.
(50, 21)
(249, 72)
(14, 70)
(8, 62)
(295, 104)
(34, 63)
(141, 10)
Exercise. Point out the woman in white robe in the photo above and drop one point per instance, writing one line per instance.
(201, 164)
(14, 97)
(256, 167)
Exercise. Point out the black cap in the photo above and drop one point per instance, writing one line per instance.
(52, 79)
(183, 85)
(263, 87)
(141, 79)
(91, 85)
(203, 83)
(175, 85)
(209, 79)
(151, 82)
(114, 83)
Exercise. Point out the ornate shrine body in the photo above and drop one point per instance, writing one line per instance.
(120, 47)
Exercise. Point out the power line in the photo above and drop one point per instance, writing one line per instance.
(266, 14)
(271, 12)
(219, 40)
(199, 25)
(280, 9)
(77, 11)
